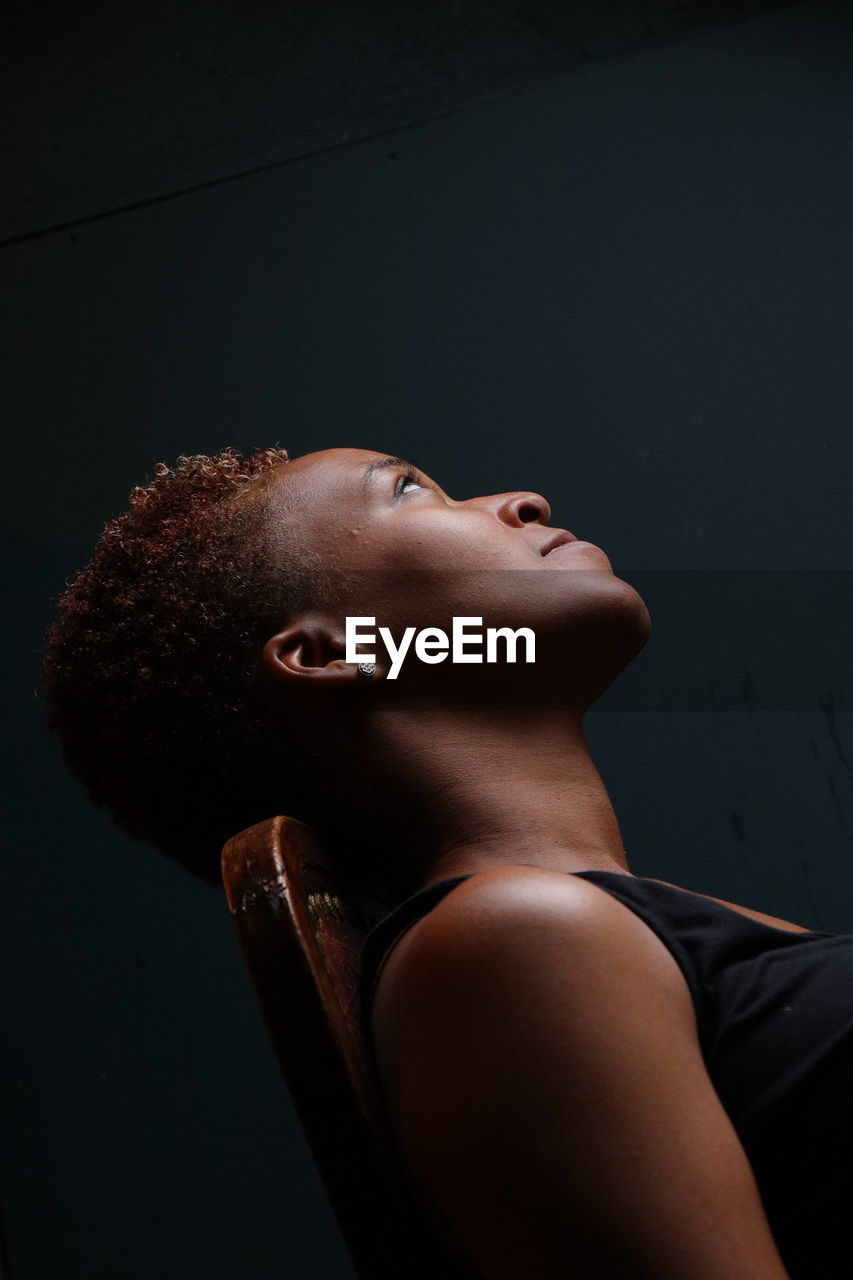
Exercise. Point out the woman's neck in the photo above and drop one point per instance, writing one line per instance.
(463, 793)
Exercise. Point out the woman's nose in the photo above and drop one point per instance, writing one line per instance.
(522, 508)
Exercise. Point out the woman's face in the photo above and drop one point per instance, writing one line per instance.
(365, 510)
(409, 554)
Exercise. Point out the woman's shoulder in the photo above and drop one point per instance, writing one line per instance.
(503, 905)
(510, 894)
(528, 927)
(527, 886)
(530, 1029)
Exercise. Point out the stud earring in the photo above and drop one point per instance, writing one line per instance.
(367, 668)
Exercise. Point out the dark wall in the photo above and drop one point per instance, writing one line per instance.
(626, 287)
(112, 105)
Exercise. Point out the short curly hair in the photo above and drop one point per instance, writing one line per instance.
(152, 666)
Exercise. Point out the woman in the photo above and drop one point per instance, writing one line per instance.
(588, 1073)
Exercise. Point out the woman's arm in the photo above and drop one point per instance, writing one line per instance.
(538, 1046)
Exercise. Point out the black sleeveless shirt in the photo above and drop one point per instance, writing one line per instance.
(774, 1010)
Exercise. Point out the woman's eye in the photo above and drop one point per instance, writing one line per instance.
(409, 479)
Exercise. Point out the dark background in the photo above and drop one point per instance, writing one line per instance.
(600, 251)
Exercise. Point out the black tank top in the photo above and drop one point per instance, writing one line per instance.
(774, 1011)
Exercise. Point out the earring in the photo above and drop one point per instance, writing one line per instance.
(367, 668)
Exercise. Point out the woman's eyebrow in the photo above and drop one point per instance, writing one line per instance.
(378, 463)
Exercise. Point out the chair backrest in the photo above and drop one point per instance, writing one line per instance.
(301, 932)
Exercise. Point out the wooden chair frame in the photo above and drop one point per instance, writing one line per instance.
(301, 931)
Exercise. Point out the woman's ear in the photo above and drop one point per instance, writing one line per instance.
(311, 647)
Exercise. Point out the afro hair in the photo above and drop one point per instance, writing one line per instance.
(152, 666)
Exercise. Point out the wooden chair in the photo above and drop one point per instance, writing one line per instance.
(301, 932)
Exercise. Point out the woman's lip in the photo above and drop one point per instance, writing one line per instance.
(563, 546)
(561, 539)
